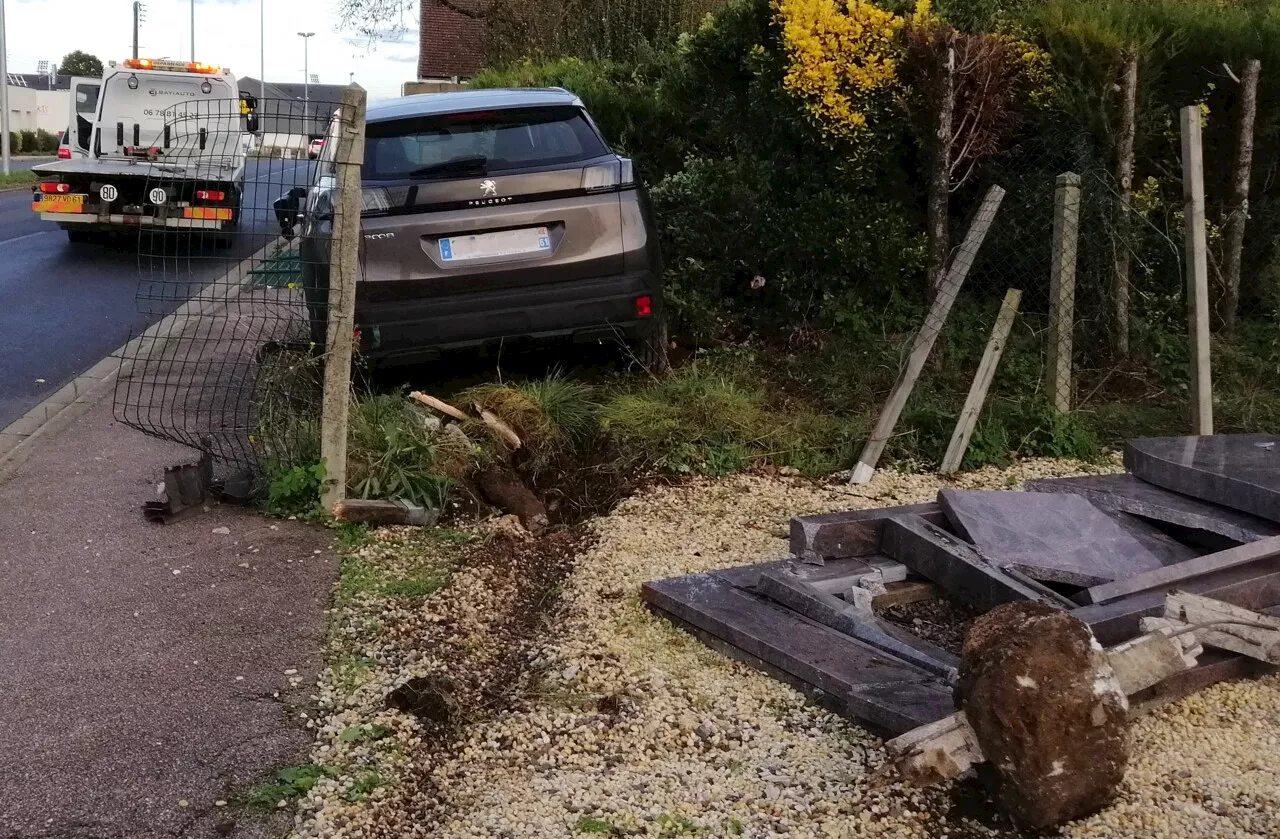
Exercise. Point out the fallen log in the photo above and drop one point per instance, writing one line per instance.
(359, 511)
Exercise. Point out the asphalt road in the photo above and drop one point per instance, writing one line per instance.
(19, 164)
(66, 306)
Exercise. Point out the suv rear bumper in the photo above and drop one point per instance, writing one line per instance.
(405, 330)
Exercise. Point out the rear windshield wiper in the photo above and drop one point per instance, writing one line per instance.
(477, 165)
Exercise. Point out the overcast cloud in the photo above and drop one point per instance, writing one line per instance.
(226, 34)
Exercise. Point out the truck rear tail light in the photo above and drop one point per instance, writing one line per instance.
(609, 176)
(210, 195)
(64, 154)
(644, 307)
(54, 188)
(208, 213)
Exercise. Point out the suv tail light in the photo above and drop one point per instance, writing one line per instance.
(609, 176)
(64, 153)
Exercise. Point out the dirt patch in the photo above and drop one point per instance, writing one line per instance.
(432, 667)
(940, 621)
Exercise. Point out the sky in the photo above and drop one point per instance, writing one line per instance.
(227, 34)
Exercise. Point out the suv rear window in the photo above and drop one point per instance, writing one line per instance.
(456, 145)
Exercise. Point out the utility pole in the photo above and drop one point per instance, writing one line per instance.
(306, 65)
(193, 31)
(262, 51)
(137, 22)
(4, 99)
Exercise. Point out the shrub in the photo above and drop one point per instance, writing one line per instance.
(702, 420)
(29, 142)
(393, 453)
(45, 141)
(15, 142)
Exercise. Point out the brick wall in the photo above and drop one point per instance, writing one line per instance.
(452, 38)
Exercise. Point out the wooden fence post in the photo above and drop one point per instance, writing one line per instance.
(928, 334)
(1197, 272)
(1062, 289)
(344, 269)
(973, 403)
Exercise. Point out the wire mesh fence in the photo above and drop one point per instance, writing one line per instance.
(233, 241)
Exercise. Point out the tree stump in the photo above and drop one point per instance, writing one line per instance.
(1047, 711)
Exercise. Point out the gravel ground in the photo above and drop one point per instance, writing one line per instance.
(619, 724)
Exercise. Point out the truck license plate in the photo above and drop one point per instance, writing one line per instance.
(59, 204)
(491, 245)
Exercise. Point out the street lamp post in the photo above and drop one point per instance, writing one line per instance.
(4, 99)
(306, 65)
(306, 81)
(262, 49)
(193, 30)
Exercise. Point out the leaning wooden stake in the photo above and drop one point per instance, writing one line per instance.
(982, 381)
(1062, 290)
(928, 334)
(1197, 272)
(345, 268)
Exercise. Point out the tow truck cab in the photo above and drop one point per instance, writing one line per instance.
(164, 150)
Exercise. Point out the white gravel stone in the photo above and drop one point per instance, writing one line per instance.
(635, 727)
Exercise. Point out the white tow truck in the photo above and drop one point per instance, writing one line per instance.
(165, 151)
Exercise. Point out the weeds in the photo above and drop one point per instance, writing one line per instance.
(290, 783)
(588, 824)
(363, 786)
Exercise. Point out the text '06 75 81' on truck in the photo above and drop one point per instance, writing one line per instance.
(153, 144)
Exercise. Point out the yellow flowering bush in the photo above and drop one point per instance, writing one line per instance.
(839, 54)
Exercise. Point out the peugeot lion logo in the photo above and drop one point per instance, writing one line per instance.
(488, 188)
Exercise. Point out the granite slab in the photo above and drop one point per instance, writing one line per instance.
(1255, 585)
(871, 684)
(1240, 471)
(1126, 493)
(850, 533)
(1063, 537)
(783, 586)
(954, 565)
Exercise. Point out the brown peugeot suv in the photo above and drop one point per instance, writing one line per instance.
(490, 215)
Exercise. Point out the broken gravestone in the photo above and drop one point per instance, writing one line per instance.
(1046, 710)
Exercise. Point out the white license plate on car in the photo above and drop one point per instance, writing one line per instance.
(491, 245)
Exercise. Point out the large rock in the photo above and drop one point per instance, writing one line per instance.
(1047, 711)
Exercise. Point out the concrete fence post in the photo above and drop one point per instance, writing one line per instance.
(343, 272)
(1062, 290)
(1197, 272)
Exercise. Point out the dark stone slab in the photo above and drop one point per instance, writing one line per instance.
(956, 567)
(1254, 586)
(1125, 493)
(783, 586)
(1241, 471)
(901, 706)
(1052, 533)
(1174, 576)
(851, 533)
(833, 576)
(1213, 666)
(817, 656)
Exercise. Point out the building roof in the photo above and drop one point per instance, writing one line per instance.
(38, 81)
(284, 111)
(451, 38)
(428, 104)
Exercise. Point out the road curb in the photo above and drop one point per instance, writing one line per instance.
(53, 415)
